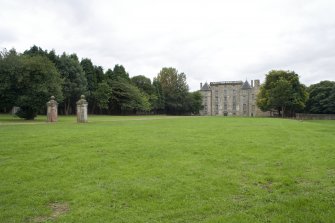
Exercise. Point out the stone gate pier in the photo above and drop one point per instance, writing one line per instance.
(82, 110)
(52, 110)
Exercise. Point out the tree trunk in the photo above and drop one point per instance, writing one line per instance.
(67, 107)
(93, 107)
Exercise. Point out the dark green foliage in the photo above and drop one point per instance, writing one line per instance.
(35, 50)
(28, 82)
(102, 95)
(174, 88)
(91, 78)
(127, 98)
(118, 72)
(75, 83)
(282, 91)
(193, 103)
(109, 75)
(10, 69)
(321, 98)
(281, 95)
(99, 74)
(143, 83)
(92, 82)
(158, 102)
(148, 91)
(26, 112)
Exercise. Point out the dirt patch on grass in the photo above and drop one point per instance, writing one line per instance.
(265, 185)
(40, 219)
(58, 209)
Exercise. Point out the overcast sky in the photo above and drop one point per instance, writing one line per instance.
(208, 40)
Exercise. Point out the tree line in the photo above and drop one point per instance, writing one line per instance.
(28, 80)
(283, 93)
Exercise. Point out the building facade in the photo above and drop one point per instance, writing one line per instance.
(231, 98)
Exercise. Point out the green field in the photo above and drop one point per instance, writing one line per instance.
(167, 169)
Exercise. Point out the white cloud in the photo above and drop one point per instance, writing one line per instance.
(208, 40)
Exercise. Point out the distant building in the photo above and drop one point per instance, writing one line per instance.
(231, 98)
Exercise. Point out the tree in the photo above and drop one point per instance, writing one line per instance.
(89, 71)
(10, 69)
(193, 102)
(102, 95)
(281, 95)
(35, 51)
(158, 99)
(283, 92)
(75, 83)
(92, 82)
(321, 98)
(174, 88)
(117, 72)
(28, 82)
(127, 97)
(143, 83)
(147, 90)
(99, 74)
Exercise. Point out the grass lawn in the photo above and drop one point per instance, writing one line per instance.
(167, 169)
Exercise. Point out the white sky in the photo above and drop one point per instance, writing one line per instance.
(208, 40)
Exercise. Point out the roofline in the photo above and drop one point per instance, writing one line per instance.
(227, 83)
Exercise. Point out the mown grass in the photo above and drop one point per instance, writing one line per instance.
(167, 169)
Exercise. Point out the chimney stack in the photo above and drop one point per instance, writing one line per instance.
(256, 83)
(200, 85)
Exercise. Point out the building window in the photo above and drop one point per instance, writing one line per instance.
(234, 91)
(225, 107)
(253, 97)
(225, 91)
(244, 109)
(225, 98)
(234, 106)
(234, 99)
(253, 107)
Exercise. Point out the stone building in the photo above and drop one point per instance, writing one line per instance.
(231, 98)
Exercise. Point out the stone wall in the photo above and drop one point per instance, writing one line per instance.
(303, 116)
(206, 102)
